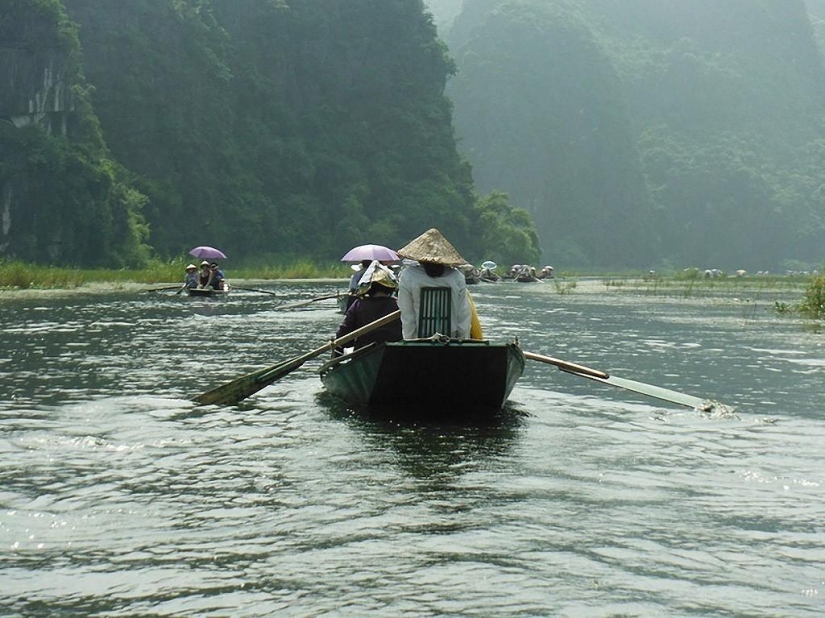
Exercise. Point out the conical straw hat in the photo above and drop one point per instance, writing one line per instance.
(432, 247)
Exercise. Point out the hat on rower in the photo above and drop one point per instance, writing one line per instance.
(204, 263)
(376, 274)
(191, 267)
(432, 247)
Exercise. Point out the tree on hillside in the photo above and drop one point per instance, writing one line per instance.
(507, 234)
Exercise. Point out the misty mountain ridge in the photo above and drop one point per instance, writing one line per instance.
(691, 131)
(637, 133)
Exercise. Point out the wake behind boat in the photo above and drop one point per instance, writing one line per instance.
(416, 373)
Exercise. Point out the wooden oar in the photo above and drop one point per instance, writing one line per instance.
(163, 289)
(249, 384)
(307, 302)
(235, 287)
(650, 390)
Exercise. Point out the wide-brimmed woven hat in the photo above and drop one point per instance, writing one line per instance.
(432, 247)
(379, 274)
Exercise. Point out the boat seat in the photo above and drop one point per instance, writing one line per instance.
(434, 315)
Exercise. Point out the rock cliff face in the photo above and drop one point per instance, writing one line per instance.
(35, 71)
(34, 89)
(62, 198)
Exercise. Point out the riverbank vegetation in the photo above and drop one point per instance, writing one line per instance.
(21, 275)
(785, 289)
(813, 304)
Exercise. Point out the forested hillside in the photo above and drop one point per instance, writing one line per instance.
(271, 128)
(62, 197)
(638, 133)
(682, 133)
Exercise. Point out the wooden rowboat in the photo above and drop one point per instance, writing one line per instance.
(206, 292)
(424, 373)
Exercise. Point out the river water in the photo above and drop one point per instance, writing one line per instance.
(119, 497)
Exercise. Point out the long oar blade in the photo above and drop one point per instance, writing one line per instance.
(249, 384)
(234, 391)
(235, 287)
(307, 302)
(650, 390)
(657, 392)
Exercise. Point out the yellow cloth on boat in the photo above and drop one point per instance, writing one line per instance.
(475, 324)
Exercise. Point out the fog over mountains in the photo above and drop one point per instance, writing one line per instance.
(677, 133)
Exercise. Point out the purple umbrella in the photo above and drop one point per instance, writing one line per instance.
(207, 252)
(370, 252)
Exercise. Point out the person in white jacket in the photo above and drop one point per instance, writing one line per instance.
(436, 259)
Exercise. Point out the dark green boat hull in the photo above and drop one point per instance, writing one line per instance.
(456, 375)
(206, 292)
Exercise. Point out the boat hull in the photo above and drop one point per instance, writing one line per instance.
(204, 292)
(455, 375)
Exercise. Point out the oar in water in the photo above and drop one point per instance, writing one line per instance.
(307, 302)
(249, 384)
(163, 289)
(650, 390)
(235, 287)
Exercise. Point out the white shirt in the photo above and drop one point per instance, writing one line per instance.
(410, 282)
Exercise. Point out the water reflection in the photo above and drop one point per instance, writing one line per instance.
(429, 449)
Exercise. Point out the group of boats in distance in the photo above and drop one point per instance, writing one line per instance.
(520, 273)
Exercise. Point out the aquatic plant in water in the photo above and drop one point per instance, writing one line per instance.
(814, 303)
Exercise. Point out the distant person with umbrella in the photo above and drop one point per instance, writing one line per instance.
(374, 299)
(218, 281)
(205, 275)
(210, 275)
(365, 254)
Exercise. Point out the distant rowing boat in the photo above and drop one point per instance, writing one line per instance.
(206, 292)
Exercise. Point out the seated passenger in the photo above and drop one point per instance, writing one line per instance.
(436, 259)
(217, 280)
(191, 278)
(205, 275)
(373, 301)
(353, 281)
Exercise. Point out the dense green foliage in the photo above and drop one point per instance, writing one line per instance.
(66, 200)
(284, 128)
(697, 125)
(269, 128)
(506, 233)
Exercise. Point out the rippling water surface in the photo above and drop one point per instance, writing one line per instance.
(119, 497)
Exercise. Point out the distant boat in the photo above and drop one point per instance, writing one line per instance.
(207, 292)
(411, 374)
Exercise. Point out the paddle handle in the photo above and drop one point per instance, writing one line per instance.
(567, 366)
